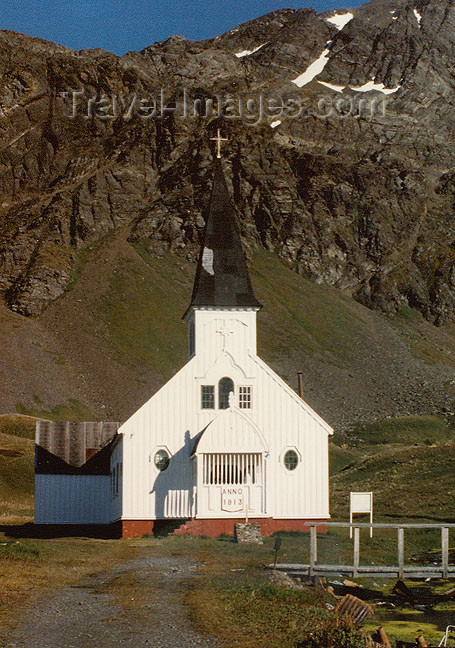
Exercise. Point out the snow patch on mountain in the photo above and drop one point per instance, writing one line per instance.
(249, 52)
(314, 69)
(332, 86)
(418, 16)
(371, 85)
(340, 20)
(275, 123)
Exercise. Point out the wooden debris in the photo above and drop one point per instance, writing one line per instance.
(380, 638)
(354, 608)
(403, 592)
(356, 590)
(329, 589)
(384, 638)
(449, 595)
(350, 583)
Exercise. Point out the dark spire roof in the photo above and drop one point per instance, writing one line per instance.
(222, 277)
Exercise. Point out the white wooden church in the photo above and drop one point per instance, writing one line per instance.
(225, 438)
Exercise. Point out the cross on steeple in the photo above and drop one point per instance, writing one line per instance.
(224, 330)
(218, 139)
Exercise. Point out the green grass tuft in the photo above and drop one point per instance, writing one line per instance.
(15, 550)
(405, 430)
(16, 425)
(74, 410)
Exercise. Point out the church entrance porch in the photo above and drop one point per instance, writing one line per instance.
(230, 484)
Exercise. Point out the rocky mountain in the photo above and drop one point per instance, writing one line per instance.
(340, 154)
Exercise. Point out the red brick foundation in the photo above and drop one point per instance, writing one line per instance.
(211, 528)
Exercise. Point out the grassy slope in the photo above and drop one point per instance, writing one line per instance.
(125, 315)
(16, 468)
(116, 335)
(408, 463)
(142, 309)
(301, 315)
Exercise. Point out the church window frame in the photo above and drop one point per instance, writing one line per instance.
(207, 397)
(290, 460)
(161, 458)
(245, 396)
(225, 387)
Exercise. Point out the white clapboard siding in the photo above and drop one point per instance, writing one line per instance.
(173, 420)
(72, 499)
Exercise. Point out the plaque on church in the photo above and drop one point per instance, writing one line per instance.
(233, 498)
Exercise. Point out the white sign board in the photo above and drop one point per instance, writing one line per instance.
(362, 503)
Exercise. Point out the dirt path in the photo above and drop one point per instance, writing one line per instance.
(137, 604)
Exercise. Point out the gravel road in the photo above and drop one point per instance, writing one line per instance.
(89, 614)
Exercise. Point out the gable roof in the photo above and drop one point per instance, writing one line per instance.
(222, 277)
(296, 398)
(74, 448)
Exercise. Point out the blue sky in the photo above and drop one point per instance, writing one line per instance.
(124, 25)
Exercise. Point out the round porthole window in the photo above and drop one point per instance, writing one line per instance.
(161, 459)
(291, 459)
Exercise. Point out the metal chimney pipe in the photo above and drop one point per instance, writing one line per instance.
(300, 378)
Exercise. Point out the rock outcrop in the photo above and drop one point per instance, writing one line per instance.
(353, 186)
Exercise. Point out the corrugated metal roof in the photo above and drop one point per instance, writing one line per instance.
(74, 448)
(222, 277)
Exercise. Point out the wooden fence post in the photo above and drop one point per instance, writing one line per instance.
(400, 552)
(313, 548)
(355, 568)
(445, 551)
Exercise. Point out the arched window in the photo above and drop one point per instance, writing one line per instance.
(225, 387)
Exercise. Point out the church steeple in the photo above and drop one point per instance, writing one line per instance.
(222, 278)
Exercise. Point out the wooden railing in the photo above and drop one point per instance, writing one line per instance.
(356, 569)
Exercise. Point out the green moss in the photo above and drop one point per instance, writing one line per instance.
(409, 314)
(408, 624)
